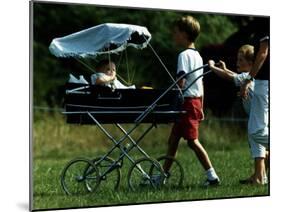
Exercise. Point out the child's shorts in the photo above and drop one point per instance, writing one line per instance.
(188, 124)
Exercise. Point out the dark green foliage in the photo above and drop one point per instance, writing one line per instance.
(57, 20)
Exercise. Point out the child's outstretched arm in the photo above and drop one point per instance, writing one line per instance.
(221, 71)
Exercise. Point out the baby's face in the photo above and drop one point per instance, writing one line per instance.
(242, 64)
(109, 69)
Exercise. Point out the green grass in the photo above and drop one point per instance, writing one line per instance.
(55, 143)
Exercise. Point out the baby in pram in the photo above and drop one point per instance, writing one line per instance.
(106, 75)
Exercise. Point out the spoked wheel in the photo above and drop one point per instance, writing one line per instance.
(174, 178)
(79, 176)
(110, 174)
(145, 173)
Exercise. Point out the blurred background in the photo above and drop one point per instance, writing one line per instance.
(221, 36)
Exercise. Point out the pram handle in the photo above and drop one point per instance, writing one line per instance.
(153, 105)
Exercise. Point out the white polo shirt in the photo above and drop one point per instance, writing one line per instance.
(189, 60)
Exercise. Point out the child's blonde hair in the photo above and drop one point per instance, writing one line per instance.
(190, 26)
(248, 52)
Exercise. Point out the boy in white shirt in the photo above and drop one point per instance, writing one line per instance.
(185, 33)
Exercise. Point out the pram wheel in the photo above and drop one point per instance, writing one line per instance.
(145, 172)
(79, 176)
(174, 178)
(109, 171)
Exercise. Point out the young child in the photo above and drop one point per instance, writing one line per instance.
(258, 125)
(245, 59)
(106, 75)
(186, 31)
(245, 62)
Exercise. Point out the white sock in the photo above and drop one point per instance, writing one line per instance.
(211, 174)
(265, 179)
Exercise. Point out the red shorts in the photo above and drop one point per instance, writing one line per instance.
(188, 124)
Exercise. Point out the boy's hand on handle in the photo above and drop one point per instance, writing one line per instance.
(211, 64)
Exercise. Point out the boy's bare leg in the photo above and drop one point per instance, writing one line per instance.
(266, 161)
(173, 144)
(260, 171)
(200, 153)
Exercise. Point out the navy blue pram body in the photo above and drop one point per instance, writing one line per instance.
(120, 105)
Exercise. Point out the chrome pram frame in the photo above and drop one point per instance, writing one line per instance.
(145, 171)
(107, 39)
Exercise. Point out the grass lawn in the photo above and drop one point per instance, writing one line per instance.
(55, 143)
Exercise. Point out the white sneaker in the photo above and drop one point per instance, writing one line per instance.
(212, 183)
(265, 180)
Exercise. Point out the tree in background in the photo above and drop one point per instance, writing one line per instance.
(57, 20)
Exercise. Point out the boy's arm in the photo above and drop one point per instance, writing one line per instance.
(222, 72)
(182, 82)
(260, 58)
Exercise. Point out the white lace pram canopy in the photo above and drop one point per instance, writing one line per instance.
(101, 39)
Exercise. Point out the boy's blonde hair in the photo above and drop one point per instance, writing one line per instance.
(190, 26)
(248, 52)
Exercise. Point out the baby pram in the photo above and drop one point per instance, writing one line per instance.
(98, 105)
